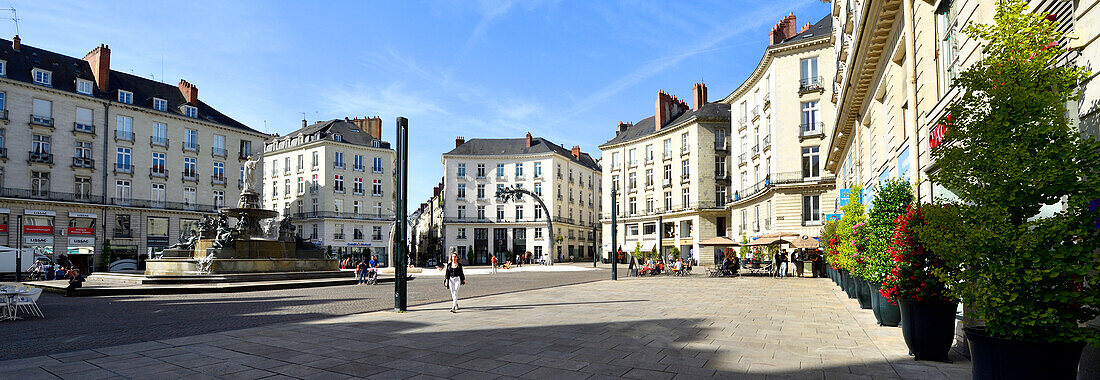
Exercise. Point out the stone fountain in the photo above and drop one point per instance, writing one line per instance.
(220, 248)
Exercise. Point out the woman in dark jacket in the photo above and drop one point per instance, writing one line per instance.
(453, 278)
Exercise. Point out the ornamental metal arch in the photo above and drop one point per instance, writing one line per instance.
(513, 193)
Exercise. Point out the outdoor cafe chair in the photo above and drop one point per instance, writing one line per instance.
(29, 301)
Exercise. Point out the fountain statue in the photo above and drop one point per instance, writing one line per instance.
(219, 246)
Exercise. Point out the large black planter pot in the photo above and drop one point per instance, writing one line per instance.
(863, 294)
(996, 358)
(846, 284)
(928, 327)
(886, 313)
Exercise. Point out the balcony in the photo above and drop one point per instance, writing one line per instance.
(767, 142)
(190, 146)
(756, 113)
(685, 150)
(338, 165)
(357, 168)
(721, 175)
(667, 155)
(40, 158)
(767, 101)
(160, 141)
(338, 190)
(742, 159)
(83, 162)
(243, 155)
(808, 85)
(666, 183)
(341, 215)
(376, 170)
(816, 219)
(44, 194)
(4, 115)
(190, 175)
(338, 236)
(756, 151)
(158, 172)
(742, 123)
(219, 152)
(124, 169)
(3, 152)
(124, 136)
(721, 144)
(812, 130)
(217, 179)
(83, 128)
(41, 121)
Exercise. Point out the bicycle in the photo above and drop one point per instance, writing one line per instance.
(372, 276)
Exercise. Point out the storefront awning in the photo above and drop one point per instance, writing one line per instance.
(719, 242)
(805, 243)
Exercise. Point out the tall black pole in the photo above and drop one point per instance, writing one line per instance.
(661, 235)
(19, 253)
(614, 234)
(400, 283)
(595, 246)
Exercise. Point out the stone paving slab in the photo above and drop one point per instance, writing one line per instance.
(647, 328)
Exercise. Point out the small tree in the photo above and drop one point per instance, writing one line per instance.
(744, 250)
(891, 200)
(638, 251)
(1011, 150)
(847, 255)
(105, 256)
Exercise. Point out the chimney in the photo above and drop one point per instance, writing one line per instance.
(15, 45)
(783, 30)
(304, 123)
(459, 141)
(371, 125)
(576, 152)
(528, 139)
(698, 96)
(623, 126)
(100, 61)
(666, 109)
(190, 92)
(805, 27)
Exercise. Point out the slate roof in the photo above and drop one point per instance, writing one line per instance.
(645, 127)
(823, 27)
(65, 70)
(539, 145)
(348, 131)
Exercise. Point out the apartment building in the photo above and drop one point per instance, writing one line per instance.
(567, 181)
(781, 123)
(88, 154)
(335, 180)
(426, 230)
(669, 170)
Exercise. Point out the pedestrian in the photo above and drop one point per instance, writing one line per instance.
(76, 280)
(783, 263)
(372, 270)
(453, 278)
(494, 264)
(361, 272)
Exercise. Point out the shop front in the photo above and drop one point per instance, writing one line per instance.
(80, 249)
(363, 251)
(38, 238)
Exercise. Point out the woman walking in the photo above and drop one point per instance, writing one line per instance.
(453, 278)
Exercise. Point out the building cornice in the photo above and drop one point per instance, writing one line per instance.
(770, 54)
(667, 130)
(321, 142)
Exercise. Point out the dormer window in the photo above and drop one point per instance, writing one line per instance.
(3, 68)
(191, 111)
(84, 86)
(160, 104)
(125, 97)
(337, 137)
(42, 77)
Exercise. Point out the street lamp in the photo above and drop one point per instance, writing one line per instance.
(514, 193)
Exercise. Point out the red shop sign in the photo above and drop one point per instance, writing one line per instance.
(3, 228)
(81, 231)
(38, 229)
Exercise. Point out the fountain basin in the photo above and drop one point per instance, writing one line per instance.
(189, 266)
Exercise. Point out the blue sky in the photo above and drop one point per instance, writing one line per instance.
(568, 71)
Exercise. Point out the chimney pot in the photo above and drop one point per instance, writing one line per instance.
(100, 61)
(698, 96)
(459, 141)
(304, 123)
(528, 139)
(15, 45)
(190, 92)
(576, 152)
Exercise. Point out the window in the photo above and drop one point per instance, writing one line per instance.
(538, 213)
(357, 233)
(42, 112)
(314, 185)
(538, 169)
(126, 97)
(124, 129)
(376, 188)
(286, 165)
(84, 86)
(461, 170)
(720, 166)
(538, 189)
(313, 235)
(480, 212)
(3, 101)
(500, 170)
(377, 165)
(357, 185)
(301, 186)
(721, 194)
(461, 211)
(462, 234)
(219, 198)
(903, 164)
(809, 118)
(480, 170)
(219, 173)
(808, 69)
(538, 235)
(219, 147)
(191, 140)
(649, 205)
(338, 205)
(156, 194)
(685, 198)
(160, 134)
(376, 233)
(462, 191)
(40, 184)
(3, 68)
(668, 175)
(40, 145)
(356, 164)
(159, 160)
(668, 148)
(84, 151)
(631, 157)
(190, 166)
(122, 160)
(519, 170)
(649, 178)
(191, 112)
(947, 29)
(338, 183)
(686, 168)
(83, 187)
(122, 190)
(631, 181)
(810, 163)
(614, 160)
(316, 160)
(42, 77)
(649, 153)
(338, 160)
(684, 143)
(500, 213)
(160, 104)
(811, 209)
(301, 163)
(480, 191)
(500, 189)
(519, 212)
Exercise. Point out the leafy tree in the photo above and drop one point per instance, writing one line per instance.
(891, 201)
(1011, 149)
(105, 256)
(744, 251)
(847, 255)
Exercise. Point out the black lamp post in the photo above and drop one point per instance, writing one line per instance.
(614, 233)
(400, 282)
(512, 193)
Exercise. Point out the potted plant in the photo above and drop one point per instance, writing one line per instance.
(860, 242)
(1010, 150)
(892, 199)
(927, 310)
(847, 255)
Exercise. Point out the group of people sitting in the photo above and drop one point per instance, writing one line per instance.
(677, 267)
(44, 270)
